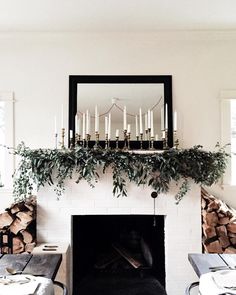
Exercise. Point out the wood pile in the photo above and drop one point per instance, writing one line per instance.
(18, 227)
(218, 225)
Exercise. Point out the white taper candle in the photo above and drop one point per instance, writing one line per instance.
(109, 126)
(84, 126)
(136, 125)
(152, 125)
(128, 128)
(106, 125)
(76, 123)
(71, 134)
(79, 126)
(149, 119)
(146, 121)
(87, 122)
(166, 117)
(117, 132)
(95, 120)
(125, 118)
(162, 118)
(140, 121)
(175, 121)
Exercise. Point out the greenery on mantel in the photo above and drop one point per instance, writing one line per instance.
(54, 166)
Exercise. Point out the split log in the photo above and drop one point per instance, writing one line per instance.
(224, 220)
(213, 205)
(218, 225)
(128, 256)
(224, 241)
(210, 218)
(109, 258)
(18, 245)
(27, 236)
(231, 227)
(5, 220)
(29, 247)
(209, 231)
(221, 230)
(233, 241)
(213, 247)
(23, 219)
(230, 250)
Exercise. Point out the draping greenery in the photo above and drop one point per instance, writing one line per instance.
(157, 170)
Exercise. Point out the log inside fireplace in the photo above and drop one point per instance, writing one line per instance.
(118, 255)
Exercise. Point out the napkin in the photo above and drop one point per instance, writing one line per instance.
(215, 283)
(25, 285)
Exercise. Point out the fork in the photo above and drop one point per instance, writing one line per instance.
(36, 290)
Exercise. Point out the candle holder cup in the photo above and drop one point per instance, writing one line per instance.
(165, 140)
(63, 138)
(117, 143)
(107, 142)
(176, 141)
(96, 145)
(56, 140)
(141, 141)
(152, 144)
(128, 141)
(87, 140)
(125, 147)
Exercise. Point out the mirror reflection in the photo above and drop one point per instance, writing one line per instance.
(110, 108)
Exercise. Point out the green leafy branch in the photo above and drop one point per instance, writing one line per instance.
(54, 166)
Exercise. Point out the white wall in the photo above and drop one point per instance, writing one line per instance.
(36, 67)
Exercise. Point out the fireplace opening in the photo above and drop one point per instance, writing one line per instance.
(118, 255)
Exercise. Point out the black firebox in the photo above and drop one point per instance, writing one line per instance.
(118, 255)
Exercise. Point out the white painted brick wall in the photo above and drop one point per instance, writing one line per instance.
(182, 222)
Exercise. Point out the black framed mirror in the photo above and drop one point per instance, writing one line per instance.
(113, 93)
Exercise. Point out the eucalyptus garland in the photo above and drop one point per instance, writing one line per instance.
(54, 166)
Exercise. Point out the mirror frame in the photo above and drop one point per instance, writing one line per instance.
(124, 79)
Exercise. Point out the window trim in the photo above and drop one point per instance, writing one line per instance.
(8, 97)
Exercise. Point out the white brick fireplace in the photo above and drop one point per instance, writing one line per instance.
(182, 222)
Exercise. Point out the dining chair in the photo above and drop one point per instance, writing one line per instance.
(61, 285)
(190, 287)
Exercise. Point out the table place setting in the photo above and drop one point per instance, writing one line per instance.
(218, 282)
(22, 284)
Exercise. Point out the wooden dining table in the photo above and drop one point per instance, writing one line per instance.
(204, 263)
(45, 265)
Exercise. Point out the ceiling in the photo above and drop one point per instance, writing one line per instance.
(116, 15)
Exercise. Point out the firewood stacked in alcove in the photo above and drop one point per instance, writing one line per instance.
(18, 227)
(218, 225)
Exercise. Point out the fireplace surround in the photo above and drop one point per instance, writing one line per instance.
(118, 254)
(182, 224)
